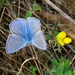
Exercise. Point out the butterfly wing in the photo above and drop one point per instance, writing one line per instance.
(39, 41)
(14, 43)
(18, 27)
(33, 26)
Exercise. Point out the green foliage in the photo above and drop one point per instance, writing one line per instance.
(55, 25)
(68, 73)
(47, 73)
(1, 2)
(55, 32)
(54, 62)
(61, 67)
(28, 14)
(36, 7)
(53, 37)
(33, 69)
(49, 36)
(55, 28)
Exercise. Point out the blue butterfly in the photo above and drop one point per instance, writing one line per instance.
(25, 32)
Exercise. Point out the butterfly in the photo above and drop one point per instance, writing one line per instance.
(25, 32)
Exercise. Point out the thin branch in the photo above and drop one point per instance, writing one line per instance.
(24, 63)
(60, 11)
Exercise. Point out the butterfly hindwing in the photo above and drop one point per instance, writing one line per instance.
(39, 41)
(14, 43)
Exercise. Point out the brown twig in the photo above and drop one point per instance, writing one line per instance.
(60, 11)
(24, 63)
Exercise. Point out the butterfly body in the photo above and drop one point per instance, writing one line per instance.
(24, 32)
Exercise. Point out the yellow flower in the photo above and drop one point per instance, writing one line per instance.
(62, 39)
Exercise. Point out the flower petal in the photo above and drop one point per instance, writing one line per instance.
(61, 35)
(67, 40)
(61, 42)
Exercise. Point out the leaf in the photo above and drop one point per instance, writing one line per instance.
(16, 73)
(61, 61)
(58, 74)
(54, 68)
(53, 43)
(28, 14)
(67, 68)
(67, 65)
(60, 69)
(54, 62)
(67, 62)
(32, 68)
(55, 26)
(68, 72)
(47, 73)
(73, 73)
(49, 36)
(61, 74)
(1, 2)
(36, 7)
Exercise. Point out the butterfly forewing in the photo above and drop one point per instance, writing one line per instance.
(33, 26)
(18, 27)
